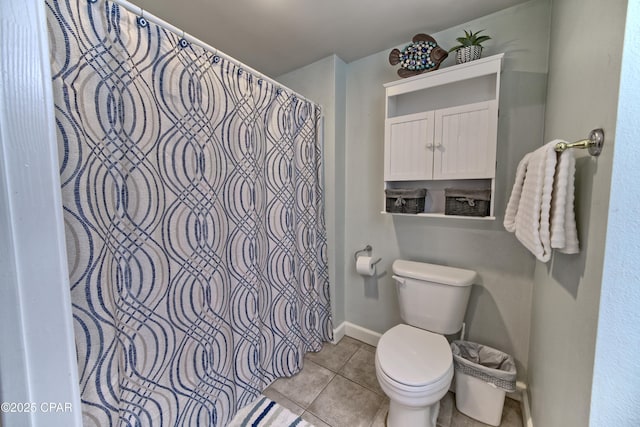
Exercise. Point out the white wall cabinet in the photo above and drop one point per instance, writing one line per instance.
(441, 131)
(451, 143)
(409, 147)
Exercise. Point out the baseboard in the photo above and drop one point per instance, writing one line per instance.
(523, 395)
(362, 334)
(354, 331)
(338, 333)
(527, 420)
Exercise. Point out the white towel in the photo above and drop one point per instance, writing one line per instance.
(516, 193)
(540, 209)
(564, 233)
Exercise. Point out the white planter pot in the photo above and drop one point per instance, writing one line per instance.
(469, 53)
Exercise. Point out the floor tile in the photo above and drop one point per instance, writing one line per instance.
(380, 420)
(317, 422)
(334, 356)
(444, 416)
(461, 420)
(353, 397)
(511, 414)
(283, 401)
(304, 387)
(368, 347)
(362, 370)
(344, 403)
(446, 410)
(511, 417)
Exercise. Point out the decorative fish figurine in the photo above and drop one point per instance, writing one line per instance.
(418, 57)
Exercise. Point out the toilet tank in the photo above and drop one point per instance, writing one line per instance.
(432, 297)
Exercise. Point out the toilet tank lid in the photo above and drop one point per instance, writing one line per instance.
(434, 273)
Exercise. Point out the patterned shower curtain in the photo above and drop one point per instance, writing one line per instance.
(193, 207)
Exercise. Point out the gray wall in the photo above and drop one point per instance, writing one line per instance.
(499, 309)
(584, 68)
(324, 82)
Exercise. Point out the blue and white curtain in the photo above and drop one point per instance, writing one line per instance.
(193, 207)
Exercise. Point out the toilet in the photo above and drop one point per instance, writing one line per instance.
(414, 364)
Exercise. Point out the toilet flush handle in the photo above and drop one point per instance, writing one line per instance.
(400, 280)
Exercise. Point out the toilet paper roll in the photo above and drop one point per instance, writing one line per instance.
(365, 267)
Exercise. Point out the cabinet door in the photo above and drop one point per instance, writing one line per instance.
(465, 141)
(408, 147)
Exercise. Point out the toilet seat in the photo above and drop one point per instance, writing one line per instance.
(414, 359)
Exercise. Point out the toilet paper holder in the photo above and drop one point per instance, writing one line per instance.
(368, 249)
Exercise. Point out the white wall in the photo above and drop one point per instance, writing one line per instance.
(584, 68)
(37, 352)
(615, 398)
(499, 310)
(324, 82)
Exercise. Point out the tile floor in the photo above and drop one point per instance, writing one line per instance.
(338, 388)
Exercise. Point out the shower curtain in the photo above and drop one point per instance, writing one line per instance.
(193, 207)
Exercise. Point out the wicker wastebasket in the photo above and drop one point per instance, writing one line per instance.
(483, 376)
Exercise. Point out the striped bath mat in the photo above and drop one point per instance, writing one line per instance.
(264, 412)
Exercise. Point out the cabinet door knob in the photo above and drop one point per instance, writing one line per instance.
(430, 146)
(439, 145)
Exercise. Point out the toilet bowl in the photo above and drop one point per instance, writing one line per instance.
(414, 363)
(414, 368)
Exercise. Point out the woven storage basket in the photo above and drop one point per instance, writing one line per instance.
(467, 202)
(405, 200)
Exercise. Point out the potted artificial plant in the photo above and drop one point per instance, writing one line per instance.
(470, 47)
